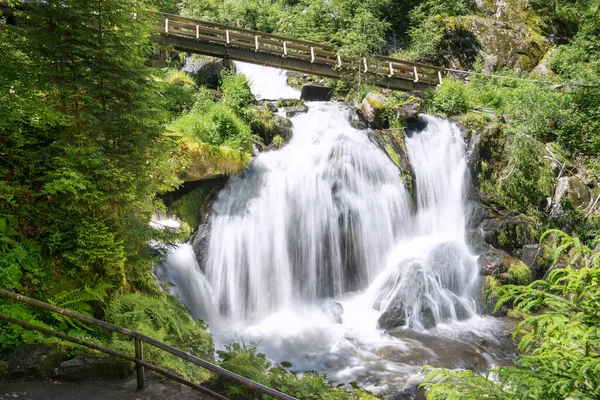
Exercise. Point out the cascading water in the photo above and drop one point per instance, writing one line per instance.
(328, 219)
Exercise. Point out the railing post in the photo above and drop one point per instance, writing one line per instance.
(139, 355)
(256, 43)
(391, 69)
(365, 62)
(312, 54)
(284, 49)
(440, 76)
(339, 60)
(227, 36)
(197, 31)
(416, 74)
(166, 25)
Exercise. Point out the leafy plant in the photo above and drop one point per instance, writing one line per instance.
(559, 340)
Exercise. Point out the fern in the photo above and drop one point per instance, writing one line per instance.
(79, 300)
(559, 338)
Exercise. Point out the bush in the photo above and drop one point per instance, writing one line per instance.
(244, 359)
(215, 124)
(450, 98)
(166, 319)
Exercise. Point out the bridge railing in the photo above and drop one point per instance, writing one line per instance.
(313, 52)
(138, 358)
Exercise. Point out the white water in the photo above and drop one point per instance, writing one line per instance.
(266, 82)
(328, 216)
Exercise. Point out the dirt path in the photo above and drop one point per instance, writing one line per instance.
(156, 388)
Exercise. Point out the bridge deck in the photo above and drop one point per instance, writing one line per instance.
(238, 44)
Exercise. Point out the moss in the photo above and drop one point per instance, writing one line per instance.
(204, 161)
(180, 78)
(392, 154)
(374, 103)
(289, 103)
(189, 207)
(278, 141)
(519, 273)
(490, 282)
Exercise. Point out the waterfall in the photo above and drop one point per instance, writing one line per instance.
(316, 246)
(311, 221)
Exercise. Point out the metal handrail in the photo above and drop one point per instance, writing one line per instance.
(139, 358)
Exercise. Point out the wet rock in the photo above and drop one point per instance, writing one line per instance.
(427, 318)
(35, 360)
(333, 310)
(291, 112)
(410, 393)
(270, 106)
(290, 103)
(393, 143)
(492, 262)
(282, 128)
(409, 109)
(509, 231)
(392, 318)
(87, 366)
(316, 93)
(473, 157)
(504, 267)
(372, 110)
(537, 258)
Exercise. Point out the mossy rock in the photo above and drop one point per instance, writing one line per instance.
(393, 142)
(289, 103)
(201, 161)
(514, 43)
(373, 110)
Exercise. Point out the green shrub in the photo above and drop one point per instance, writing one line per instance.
(244, 359)
(450, 98)
(166, 319)
(215, 124)
(236, 92)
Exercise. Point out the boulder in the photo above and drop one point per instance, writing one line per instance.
(393, 317)
(503, 267)
(372, 110)
(572, 191)
(501, 41)
(316, 93)
(413, 392)
(535, 257)
(409, 108)
(90, 366)
(509, 231)
(206, 70)
(291, 112)
(282, 128)
(35, 360)
(356, 122)
(491, 262)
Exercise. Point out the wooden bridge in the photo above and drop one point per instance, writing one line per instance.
(238, 44)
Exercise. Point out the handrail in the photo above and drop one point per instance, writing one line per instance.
(139, 338)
